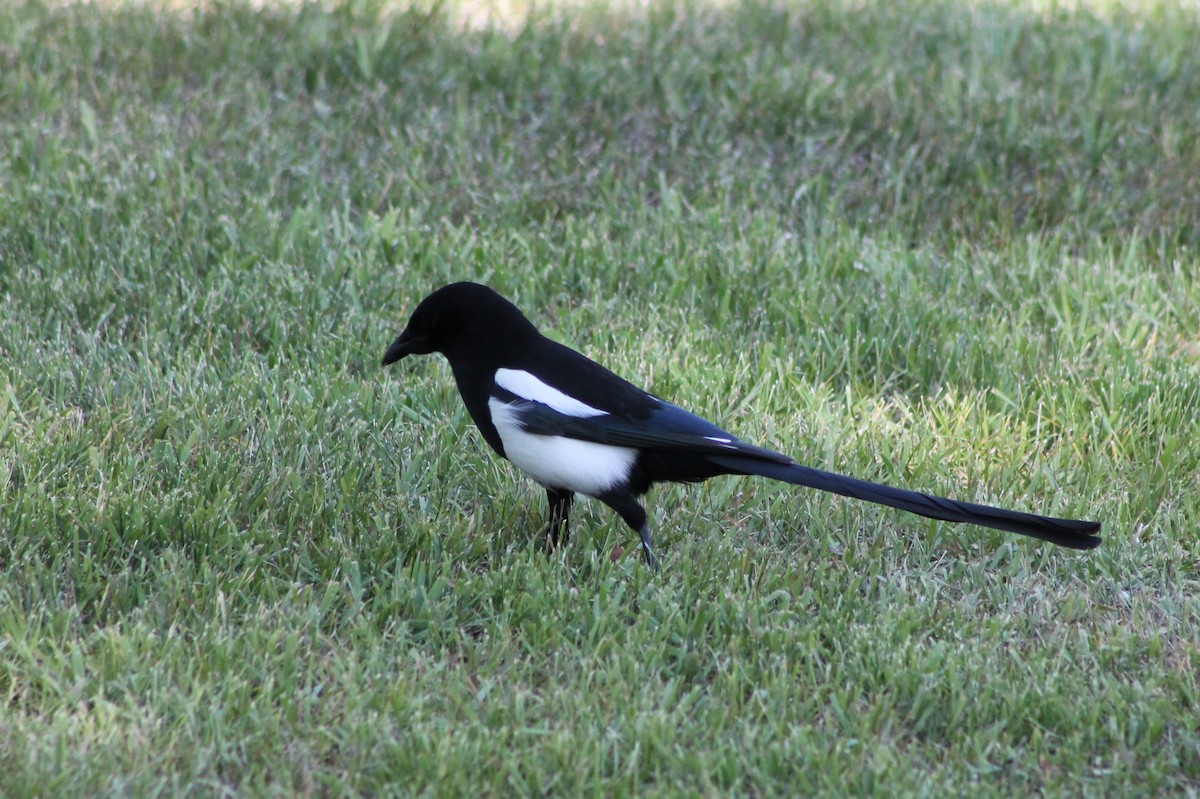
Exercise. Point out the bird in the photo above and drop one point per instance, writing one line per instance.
(577, 428)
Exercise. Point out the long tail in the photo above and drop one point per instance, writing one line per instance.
(1071, 533)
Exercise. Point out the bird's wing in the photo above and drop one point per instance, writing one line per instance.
(666, 427)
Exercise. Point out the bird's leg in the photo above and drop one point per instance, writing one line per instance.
(560, 511)
(634, 515)
(644, 532)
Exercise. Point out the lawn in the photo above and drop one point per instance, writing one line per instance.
(950, 246)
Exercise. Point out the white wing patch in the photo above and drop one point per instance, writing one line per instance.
(556, 461)
(525, 385)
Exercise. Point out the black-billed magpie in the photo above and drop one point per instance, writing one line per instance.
(575, 427)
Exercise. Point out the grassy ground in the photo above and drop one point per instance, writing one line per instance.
(950, 246)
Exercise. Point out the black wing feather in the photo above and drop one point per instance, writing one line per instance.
(667, 428)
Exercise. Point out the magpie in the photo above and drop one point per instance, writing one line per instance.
(577, 428)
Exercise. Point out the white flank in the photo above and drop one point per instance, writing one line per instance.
(529, 387)
(557, 462)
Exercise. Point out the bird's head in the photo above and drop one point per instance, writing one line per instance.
(459, 320)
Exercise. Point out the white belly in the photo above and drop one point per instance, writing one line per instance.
(556, 462)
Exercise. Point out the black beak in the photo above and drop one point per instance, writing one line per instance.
(405, 345)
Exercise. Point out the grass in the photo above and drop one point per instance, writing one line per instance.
(950, 246)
